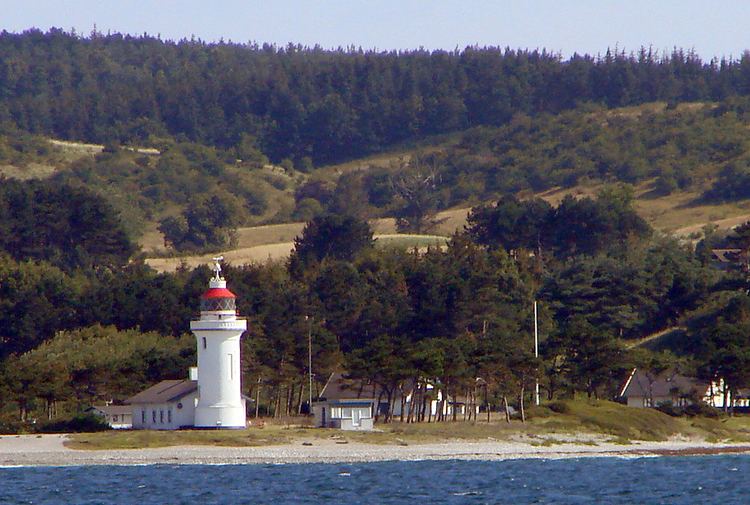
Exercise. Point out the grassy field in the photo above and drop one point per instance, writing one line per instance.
(681, 213)
(678, 214)
(398, 154)
(571, 420)
(282, 250)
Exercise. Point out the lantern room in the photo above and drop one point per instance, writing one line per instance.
(218, 299)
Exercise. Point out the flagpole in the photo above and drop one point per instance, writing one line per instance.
(536, 351)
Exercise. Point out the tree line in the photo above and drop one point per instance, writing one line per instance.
(307, 103)
(446, 316)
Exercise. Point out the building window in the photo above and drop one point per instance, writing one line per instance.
(169, 416)
(114, 418)
(204, 342)
(153, 416)
(143, 416)
(648, 402)
(161, 416)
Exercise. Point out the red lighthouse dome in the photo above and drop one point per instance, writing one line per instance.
(218, 297)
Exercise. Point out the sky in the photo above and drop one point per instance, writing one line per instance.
(712, 29)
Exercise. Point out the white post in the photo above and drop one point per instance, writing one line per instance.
(309, 360)
(536, 352)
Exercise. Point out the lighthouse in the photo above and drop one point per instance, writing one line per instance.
(218, 332)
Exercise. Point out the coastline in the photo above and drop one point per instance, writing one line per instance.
(49, 450)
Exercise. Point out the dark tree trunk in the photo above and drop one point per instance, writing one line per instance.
(257, 400)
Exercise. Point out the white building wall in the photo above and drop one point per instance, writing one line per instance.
(165, 416)
(123, 422)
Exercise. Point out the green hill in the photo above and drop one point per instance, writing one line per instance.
(673, 156)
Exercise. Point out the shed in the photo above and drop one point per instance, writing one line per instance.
(118, 417)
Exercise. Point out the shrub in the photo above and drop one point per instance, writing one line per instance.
(670, 409)
(559, 407)
(80, 423)
(10, 428)
(701, 409)
(696, 409)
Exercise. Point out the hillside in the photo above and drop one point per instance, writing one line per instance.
(675, 214)
(673, 186)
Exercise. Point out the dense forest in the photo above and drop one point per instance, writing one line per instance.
(235, 133)
(299, 102)
(447, 315)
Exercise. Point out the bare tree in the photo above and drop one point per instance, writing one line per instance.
(416, 187)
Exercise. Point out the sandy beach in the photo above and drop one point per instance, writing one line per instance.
(49, 450)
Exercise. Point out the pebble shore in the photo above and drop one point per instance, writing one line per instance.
(49, 450)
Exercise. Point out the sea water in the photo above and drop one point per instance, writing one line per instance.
(664, 480)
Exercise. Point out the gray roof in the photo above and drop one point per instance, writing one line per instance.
(648, 385)
(112, 410)
(164, 392)
(341, 387)
(727, 255)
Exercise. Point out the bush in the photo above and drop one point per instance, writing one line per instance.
(81, 423)
(559, 407)
(10, 428)
(670, 409)
(696, 409)
(701, 409)
(532, 412)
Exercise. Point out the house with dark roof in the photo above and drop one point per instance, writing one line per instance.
(118, 417)
(346, 404)
(353, 404)
(646, 389)
(730, 259)
(168, 405)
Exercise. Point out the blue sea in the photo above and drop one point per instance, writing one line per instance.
(691, 480)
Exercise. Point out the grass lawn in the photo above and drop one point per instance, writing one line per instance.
(599, 420)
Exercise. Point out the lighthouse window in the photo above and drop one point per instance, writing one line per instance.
(204, 342)
(231, 367)
(214, 304)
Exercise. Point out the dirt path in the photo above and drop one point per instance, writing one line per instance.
(729, 222)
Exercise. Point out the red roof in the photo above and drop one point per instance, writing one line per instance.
(218, 293)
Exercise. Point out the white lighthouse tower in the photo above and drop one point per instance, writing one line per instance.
(218, 332)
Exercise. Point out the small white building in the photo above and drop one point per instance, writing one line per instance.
(351, 404)
(118, 417)
(168, 405)
(345, 404)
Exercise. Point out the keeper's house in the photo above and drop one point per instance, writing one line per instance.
(168, 405)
